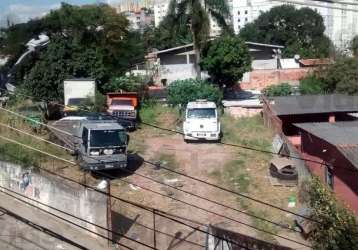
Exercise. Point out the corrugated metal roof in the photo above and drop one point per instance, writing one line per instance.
(314, 104)
(342, 135)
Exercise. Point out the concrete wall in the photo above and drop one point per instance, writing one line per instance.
(174, 72)
(260, 79)
(57, 192)
(345, 184)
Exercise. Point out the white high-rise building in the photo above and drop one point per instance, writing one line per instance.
(340, 19)
(160, 11)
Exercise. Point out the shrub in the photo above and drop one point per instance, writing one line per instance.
(183, 91)
(311, 85)
(338, 227)
(282, 89)
(130, 83)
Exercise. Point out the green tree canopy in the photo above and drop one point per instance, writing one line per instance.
(226, 59)
(88, 41)
(341, 77)
(195, 15)
(301, 31)
(338, 227)
(181, 92)
(282, 89)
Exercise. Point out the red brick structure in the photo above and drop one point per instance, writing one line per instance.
(260, 79)
(327, 143)
(321, 129)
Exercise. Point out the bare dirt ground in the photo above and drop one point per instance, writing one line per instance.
(236, 169)
(229, 167)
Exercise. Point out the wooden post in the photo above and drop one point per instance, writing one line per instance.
(154, 229)
(109, 215)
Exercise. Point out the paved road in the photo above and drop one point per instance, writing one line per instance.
(18, 235)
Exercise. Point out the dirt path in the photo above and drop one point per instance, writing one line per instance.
(199, 160)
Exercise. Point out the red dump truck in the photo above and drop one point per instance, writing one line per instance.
(124, 106)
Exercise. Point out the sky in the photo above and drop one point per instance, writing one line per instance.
(23, 10)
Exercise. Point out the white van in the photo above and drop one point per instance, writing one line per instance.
(201, 121)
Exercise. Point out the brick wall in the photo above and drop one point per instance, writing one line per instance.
(260, 79)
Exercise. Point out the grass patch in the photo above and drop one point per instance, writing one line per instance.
(248, 131)
(21, 155)
(159, 114)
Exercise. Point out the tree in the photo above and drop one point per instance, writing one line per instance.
(89, 41)
(181, 92)
(282, 89)
(130, 83)
(226, 59)
(354, 45)
(301, 31)
(338, 227)
(195, 14)
(311, 85)
(341, 77)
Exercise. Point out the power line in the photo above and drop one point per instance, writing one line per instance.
(208, 183)
(91, 223)
(187, 203)
(138, 205)
(73, 216)
(41, 228)
(171, 186)
(172, 131)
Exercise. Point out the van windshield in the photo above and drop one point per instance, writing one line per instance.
(201, 113)
(107, 138)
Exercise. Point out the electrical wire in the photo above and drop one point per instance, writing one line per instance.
(206, 182)
(197, 179)
(41, 228)
(73, 216)
(163, 183)
(187, 203)
(91, 223)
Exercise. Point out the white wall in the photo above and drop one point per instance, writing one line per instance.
(178, 72)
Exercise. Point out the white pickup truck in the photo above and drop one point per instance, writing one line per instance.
(201, 121)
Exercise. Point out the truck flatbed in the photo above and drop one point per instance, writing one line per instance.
(70, 137)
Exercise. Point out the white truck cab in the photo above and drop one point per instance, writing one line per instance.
(201, 121)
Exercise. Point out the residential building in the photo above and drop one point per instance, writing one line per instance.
(340, 19)
(178, 63)
(140, 19)
(161, 9)
(322, 129)
(332, 148)
(132, 5)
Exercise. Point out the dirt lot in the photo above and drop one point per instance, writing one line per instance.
(234, 168)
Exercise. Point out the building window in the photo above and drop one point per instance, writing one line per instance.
(245, 11)
(239, 20)
(329, 176)
(246, 19)
(238, 13)
(239, 27)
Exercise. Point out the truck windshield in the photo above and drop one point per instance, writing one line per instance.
(76, 101)
(201, 113)
(107, 138)
(121, 102)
